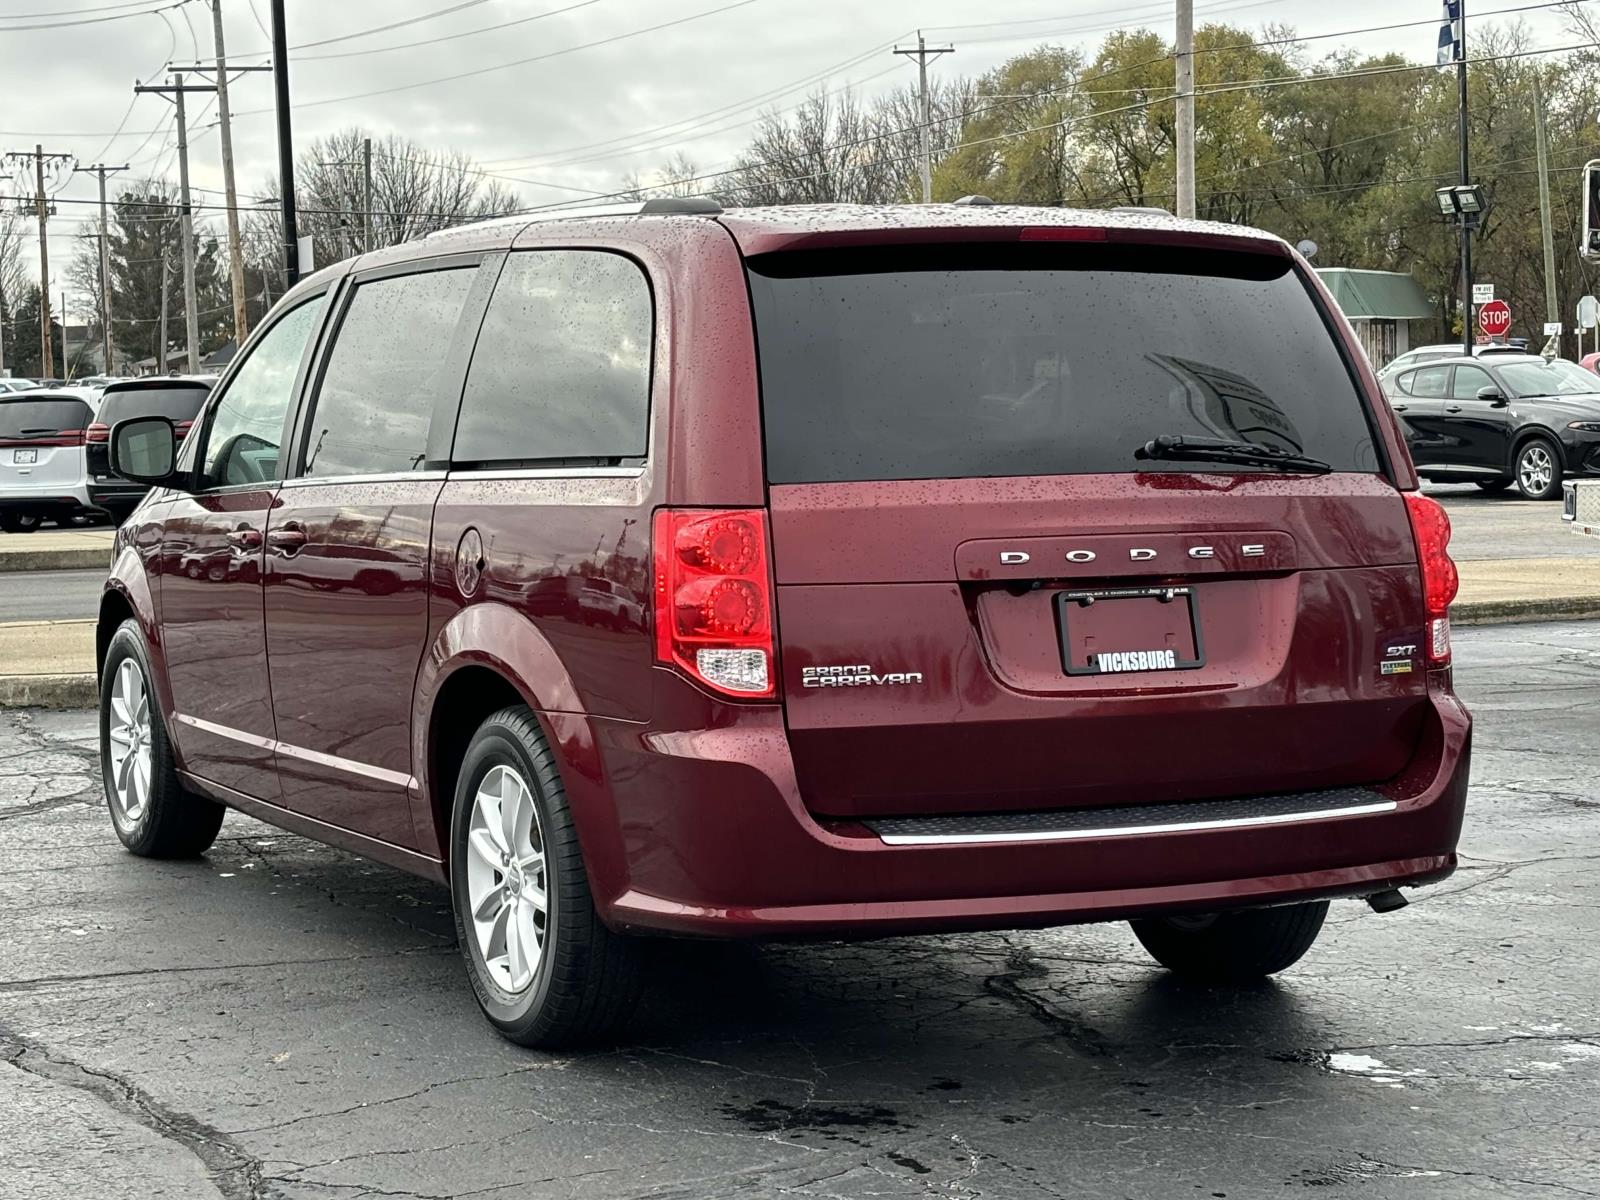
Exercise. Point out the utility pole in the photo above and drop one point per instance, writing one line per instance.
(366, 193)
(106, 348)
(925, 132)
(1551, 312)
(42, 205)
(1185, 101)
(46, 365)
(235, 252)
(219, 75)
(178, 89)
(280, 81)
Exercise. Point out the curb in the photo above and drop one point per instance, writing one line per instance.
(49, 691)
(85, 558)
(1524, 611)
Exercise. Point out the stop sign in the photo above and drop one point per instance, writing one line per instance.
(1494, 318)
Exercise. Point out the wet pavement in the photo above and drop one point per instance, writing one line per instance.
(283, 1020)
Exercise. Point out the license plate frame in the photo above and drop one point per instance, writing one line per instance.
(25, 458)
(1068, 602)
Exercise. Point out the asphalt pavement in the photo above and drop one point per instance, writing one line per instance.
(1505, 525)
(284, 1020)
(50, 595)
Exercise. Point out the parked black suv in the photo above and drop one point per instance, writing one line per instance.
(176, 397)
(1500, 421)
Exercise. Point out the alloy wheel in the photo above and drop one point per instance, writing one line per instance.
(130, 741)
(1536, 469)
(507, 885)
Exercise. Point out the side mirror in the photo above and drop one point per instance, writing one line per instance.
(1493, 395)
(144, 450)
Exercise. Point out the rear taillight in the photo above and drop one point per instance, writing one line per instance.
(97, 434)
(1440, 582)
(713, 598)
(180, 429)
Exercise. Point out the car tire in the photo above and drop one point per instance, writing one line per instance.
(154, 815)
(583, 980)
(15, 522)
(1538, 469)
(1493, 486)
(1232, 947)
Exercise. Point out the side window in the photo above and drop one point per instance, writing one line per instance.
(1469, 380)
(247, 424)
(382, 376)
(1402, 382)
(562, 365)
(1428, 383)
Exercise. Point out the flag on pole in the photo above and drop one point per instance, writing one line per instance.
(1450, 34)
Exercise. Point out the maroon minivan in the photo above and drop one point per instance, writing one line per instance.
(799, 571)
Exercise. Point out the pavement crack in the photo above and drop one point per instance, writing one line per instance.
(235, 1172)
(542, 1065)
(40, 982)
(1007, 986)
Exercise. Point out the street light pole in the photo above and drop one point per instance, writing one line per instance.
(1466, 226)
(280, 80)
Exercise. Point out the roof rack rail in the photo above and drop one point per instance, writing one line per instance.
(980, 200)
(659, 206)
(1152, 210)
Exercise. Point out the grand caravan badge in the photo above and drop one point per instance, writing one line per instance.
(859, 675)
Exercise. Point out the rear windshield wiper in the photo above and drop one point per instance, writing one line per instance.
(1203, 449)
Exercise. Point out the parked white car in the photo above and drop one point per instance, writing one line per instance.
(43, 462)
(1422, 354)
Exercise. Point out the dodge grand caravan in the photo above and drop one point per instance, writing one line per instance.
(966, 567)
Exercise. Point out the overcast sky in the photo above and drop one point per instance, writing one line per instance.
(712, 71)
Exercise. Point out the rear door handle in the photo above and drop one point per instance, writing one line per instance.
(287, 539)
(1399, 407)
(1452, 408)
(244, 538)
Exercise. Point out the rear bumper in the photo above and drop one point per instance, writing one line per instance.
(704, 832)
(116, 494)
(47, 499)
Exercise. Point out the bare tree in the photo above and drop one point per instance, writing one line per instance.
(415, 191)
(678, 176)
(828, 150)
(14, 230)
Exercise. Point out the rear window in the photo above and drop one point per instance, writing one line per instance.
(1558, 378)
(177, 403)
(31, 418)
(927, 363)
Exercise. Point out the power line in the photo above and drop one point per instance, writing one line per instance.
(699, 118)
(677, 139)
(67, 12)
(346, 37)
(521, 62)
(449, 37)
(93, 20)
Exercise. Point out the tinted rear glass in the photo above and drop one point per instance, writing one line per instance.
(927, 363)
(20, 418)
(175, 403)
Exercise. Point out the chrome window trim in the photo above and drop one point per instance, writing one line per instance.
(1078, 835)
(381, 477)
(349, 766)
(550, 473)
